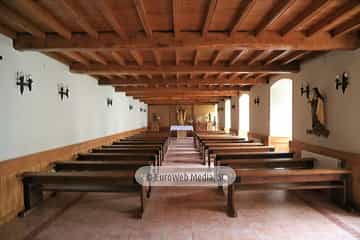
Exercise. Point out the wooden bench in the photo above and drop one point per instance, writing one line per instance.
(130, 150)
(119, 157)
(161, 144)
(212, 151)
(304, 179)
(234, 156)
(120, 181)
(269, 163)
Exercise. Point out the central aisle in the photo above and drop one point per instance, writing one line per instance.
(182, 152)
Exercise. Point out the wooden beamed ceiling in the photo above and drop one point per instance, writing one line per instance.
(182, 51)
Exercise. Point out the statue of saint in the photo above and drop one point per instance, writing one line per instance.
(317, 103)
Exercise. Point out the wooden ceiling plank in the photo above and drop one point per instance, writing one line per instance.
(118, 58)
(257, 56)
(243, 11)
(71, 7)
(177, 57)
(58, 57)
(339, 15)
(275, 13)
(209, 17)
(294, 57)
(9, 15)
(97, 57)
(349, 26)
(77, 57)
(237, 56)
(216, 57)
(305, 16)
(110, 17)
(183, 68)
(137, 57)
(266, 40)
(140, 8)
(35, 10)
(279, 56)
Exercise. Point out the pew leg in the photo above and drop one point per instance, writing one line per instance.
(231, 211)
(142, 202)
(32, 196)
(148, 192)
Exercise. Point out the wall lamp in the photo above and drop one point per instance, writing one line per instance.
(131, 107)
(109, 102)
(63, 91)
(257, 101)
(342, 81)
(305, 90)
(23, 81)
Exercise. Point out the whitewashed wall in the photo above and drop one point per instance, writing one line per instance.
(39, 120)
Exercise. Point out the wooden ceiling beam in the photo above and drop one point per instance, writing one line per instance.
(110, 17)
(197, 80)
(294, 57)
(196, 57)
(241, 40)
(7, 31)
(278, 57)
(98, 58)
(216, 57)
(7, 15)
(175, 17)
(72, 7)
(257, 56)
(137, 57)
(347, 27)
(243, 11)
(305, 16)
(118, 58)
(35, 10)
(186, 102)
(140, 8)
(157, 57)
(200, 69)
(77, 57)
(337, 17)
(236, 56)
(209, 17)
(275, 13)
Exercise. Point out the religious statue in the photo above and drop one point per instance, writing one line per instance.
(317, 103)
(181, 116)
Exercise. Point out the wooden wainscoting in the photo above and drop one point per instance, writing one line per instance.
(352, 161)
(11, 191)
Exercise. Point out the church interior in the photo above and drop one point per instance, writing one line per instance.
(179, 119)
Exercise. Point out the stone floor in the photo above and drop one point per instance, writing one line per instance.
(186, 213)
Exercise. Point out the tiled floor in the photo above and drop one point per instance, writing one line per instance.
(186, 213)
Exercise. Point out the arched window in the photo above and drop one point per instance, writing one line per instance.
(281, 109)
(244, 115)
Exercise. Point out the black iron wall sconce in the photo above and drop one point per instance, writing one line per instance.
(63, 91)
(305, 90)
(257, 101)
(131, 107)
(109, 102)
(233, 106)
(23, 81)
(342, 81)
(141, 109)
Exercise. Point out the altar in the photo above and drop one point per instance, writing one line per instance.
(181, 130)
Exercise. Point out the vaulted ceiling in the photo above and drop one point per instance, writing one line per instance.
(181, 51)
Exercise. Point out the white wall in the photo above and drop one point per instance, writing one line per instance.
(343, 115)
(39, 120)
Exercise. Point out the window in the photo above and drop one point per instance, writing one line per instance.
(227, 115)
(244, 115)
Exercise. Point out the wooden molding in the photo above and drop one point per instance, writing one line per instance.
(11, 191)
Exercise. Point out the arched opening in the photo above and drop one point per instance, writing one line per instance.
(244, 115)
(281, 114)
(227, 115)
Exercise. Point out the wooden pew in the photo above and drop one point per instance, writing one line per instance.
(235, 156)
(144, 143)
(130, 150)
(99, 165)
(212, 151)
(120, 181)
(269, 163)
(204, 142)
(299, 179)
(119, 157)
